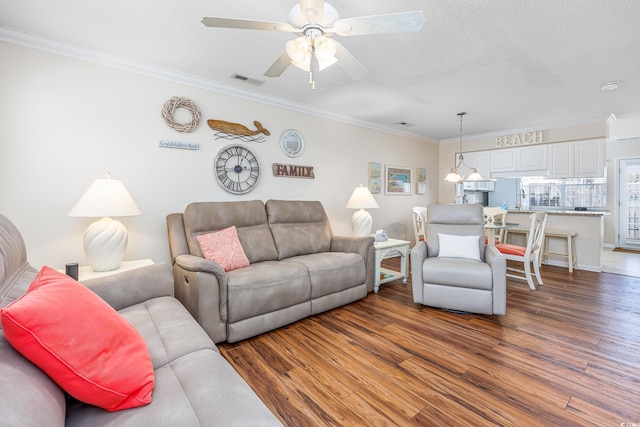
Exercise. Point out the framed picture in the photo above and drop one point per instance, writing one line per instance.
(421, 187)
(398, 180)
(374, 185)
(374, 170)
(421, 174)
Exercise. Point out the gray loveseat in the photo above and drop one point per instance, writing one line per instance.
(194, 384)
(297, 266)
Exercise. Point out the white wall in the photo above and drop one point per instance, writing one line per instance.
(627, 126)
(65, 122)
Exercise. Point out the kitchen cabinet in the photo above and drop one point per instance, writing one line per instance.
(509, 160)
(504, 160)
(532, 158)
(578, 159)
(561, 160)
(589, 158)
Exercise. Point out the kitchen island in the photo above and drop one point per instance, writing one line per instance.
(589, 229)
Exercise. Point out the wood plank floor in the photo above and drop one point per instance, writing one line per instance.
(566, 354)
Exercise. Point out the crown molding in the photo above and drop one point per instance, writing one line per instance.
(36, 42)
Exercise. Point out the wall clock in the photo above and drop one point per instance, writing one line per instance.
(292, 143)
(237, 169)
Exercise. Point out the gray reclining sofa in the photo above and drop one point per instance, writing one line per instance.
(297, 266)
(194, 384)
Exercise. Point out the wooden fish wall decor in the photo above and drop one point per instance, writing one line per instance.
(228, 130)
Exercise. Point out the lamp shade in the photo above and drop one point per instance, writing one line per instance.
(361, 198)
(453, 176)
(105, 198)
(474, 176)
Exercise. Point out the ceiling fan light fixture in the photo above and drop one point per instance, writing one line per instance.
(325, 51)
(299, 51)
(313, 19)
(325, 48)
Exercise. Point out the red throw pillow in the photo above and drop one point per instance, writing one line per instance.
(81, 342)
(224, 247)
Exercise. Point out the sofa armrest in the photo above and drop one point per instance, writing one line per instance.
(418, 255)
(133, 286)
(201, 286)
(498, 264)
(362, 245)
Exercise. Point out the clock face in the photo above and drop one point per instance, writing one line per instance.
(237, 169)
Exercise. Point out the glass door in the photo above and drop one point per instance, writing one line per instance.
(629, 203)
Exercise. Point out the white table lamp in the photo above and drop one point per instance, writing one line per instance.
(105, 241)
(361, 221)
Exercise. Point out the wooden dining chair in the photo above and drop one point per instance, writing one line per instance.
(527, 255)
(495, 215)
(419, 220)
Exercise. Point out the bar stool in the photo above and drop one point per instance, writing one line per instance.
(515, 230)
(571, 248)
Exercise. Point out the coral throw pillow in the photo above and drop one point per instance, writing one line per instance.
(509, 249)
(81, 342)
(224, 248)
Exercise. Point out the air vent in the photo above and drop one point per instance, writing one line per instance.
(246, 79)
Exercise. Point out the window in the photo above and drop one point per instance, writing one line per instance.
(567, 193)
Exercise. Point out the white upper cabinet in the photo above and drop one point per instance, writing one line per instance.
(590, 158)
(504, 160)
(532, 158)
(519, 159)
(561, 160)
(574, 159)
(579, 159)
(479, 160)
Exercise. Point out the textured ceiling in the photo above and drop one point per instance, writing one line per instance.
(510, 64)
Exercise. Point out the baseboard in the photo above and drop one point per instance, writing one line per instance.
(594, 268)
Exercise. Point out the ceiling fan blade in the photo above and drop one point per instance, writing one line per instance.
(313, 10)
(278, 67)
(349, 64)
(403, 22)
(246, 24)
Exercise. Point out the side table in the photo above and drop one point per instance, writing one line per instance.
(86, 273)
(389, 249)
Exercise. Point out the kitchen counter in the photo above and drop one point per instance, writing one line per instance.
(562, 212)
(589, 229)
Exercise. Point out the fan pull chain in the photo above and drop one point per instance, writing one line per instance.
(312, 81)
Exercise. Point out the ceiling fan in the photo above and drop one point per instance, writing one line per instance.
(317, 22)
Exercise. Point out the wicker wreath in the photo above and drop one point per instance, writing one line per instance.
(172, 105)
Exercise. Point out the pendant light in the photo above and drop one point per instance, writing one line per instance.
(454, 175)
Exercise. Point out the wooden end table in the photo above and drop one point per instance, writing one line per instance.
(389, 249)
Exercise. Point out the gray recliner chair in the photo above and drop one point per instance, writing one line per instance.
(443, 272)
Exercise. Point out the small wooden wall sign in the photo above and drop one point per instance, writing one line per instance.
(293, 171)
(177, 144)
